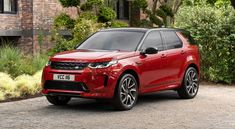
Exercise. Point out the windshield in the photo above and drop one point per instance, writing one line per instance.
(113, 40)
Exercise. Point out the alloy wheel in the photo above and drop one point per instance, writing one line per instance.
(191, 82)
(128, 91)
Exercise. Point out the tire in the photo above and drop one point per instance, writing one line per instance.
(190, 84)
(58, 100)
(126, 93)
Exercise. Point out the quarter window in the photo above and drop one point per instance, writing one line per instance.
(8, 6)
(172, 40)
(153, 39)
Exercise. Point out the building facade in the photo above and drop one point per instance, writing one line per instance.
(23, 21)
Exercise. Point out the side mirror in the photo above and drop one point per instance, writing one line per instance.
(149, 50)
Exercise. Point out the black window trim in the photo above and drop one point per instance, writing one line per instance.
(145, 37)
(9, 12)
(164, 40)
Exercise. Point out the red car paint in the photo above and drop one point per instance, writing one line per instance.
(161, 71)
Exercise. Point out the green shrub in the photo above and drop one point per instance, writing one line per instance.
(7, 86)
(118, 24)
(142, 4)
(106, 14)
(214, 30)
(86, 7)
(70, 3)
(11, 60)
(63, 22)
(33, 63)
(81, 31)
(84, 29)
(88, 15)
(21, 86)
(15, 63)
(26, 84)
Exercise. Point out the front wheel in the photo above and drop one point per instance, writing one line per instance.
(58, 100)
(126, 93)
(190, 84)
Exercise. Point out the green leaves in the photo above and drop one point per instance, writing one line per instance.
(141, 4)
(70, 3)
(213, 28)
(63, 22)
(106, 14)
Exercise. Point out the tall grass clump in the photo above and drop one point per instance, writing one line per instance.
(15, 63)
(11, 60)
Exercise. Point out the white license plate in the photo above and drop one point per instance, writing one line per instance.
(64, 77)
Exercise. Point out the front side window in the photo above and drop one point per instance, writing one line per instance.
(172, 40)
(8, 6)
(153, 39)
(113, 40)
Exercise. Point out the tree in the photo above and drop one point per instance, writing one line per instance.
(71, 3)
(161, 13)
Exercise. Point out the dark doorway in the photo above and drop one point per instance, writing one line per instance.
(122, 9)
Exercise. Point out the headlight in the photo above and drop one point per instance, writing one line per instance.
(98, 65)
(48, 63)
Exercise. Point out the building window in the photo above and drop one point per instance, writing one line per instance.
(8, 6)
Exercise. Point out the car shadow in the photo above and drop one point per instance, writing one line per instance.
(91, 105)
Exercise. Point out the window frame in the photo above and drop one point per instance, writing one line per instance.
(15, 2)
(165, 43)
(153, 31)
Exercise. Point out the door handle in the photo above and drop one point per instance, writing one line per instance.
(182, 52)
(163, 56)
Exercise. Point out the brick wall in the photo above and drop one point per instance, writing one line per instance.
(11, 21)
(32, 16)
(44, 12)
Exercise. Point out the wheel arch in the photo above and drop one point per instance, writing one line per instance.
(194, 66)
(128, 71)
(132, 72)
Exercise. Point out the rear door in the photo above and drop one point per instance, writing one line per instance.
(175, 55)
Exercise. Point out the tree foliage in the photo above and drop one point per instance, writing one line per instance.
(70, 3)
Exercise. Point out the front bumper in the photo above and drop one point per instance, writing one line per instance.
(89, 83)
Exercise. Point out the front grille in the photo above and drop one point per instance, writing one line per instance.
(63, 85)
(68, 65)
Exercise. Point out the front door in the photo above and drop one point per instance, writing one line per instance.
(153, 68)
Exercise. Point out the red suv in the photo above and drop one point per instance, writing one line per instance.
(120, 64)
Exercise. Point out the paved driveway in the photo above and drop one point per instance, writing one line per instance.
(213, 108)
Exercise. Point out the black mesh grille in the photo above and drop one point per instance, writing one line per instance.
(63, 85)
(68, 65)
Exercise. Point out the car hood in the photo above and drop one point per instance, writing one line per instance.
(91, 55)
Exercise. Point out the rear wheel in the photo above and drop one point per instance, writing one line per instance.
(58, 100)
(190, 84)
(126, 93)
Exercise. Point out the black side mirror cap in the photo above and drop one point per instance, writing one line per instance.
(149, 50)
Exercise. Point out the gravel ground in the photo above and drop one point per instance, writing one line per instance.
(213, 108)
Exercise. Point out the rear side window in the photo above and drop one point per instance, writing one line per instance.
(171, 39)
(153, 39)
